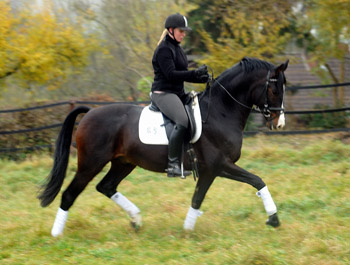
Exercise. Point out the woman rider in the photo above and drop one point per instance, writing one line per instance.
(170, 71)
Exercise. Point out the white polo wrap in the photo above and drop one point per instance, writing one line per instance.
(270, 206)
(191, 218)
(60, 221)
(125, 204)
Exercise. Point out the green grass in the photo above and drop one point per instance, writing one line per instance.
(308, 177)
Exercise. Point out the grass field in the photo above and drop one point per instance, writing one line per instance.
(308, 177)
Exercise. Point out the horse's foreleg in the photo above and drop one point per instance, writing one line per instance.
(193, 213)
(236, 173)
(132, 210)
(108, 186)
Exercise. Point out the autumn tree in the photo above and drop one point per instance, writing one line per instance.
(327, 24)
(131, 30)
(230, 30)
(38, 49)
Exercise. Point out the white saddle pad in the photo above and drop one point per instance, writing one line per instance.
(152, 129)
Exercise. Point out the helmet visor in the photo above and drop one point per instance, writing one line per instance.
(185, 28)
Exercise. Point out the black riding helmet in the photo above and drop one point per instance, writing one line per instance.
(177, 21)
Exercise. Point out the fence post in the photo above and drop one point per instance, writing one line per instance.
(71, 105)
(73, 143)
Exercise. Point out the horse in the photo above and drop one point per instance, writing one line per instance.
(110, 134)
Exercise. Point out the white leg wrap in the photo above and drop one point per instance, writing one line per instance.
(60, 221)
(269, 204)
(191, 218)
(126, 205)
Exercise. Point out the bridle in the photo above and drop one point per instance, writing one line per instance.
(265, 111)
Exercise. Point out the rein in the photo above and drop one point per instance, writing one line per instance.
(266, 111)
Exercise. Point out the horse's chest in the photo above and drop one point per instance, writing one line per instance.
(231, 149)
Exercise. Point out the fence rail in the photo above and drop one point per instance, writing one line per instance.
(255, 112)
(293, 88)
(247, 133)
(72, 103)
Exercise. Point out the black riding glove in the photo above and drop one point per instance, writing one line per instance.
(202, 74)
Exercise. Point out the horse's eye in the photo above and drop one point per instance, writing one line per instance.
(274, 90)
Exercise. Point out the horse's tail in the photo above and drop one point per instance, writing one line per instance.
(55, 180)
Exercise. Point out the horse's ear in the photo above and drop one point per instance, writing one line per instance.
(282, 67)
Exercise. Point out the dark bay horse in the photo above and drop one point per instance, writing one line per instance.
(110, 134)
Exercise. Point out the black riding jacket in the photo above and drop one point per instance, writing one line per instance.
(170, 68)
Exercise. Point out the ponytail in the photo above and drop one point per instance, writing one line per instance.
(165, 32)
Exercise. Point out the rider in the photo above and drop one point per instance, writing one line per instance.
(170, 71)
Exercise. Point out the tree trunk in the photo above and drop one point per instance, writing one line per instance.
(342, 80)
(335, 89)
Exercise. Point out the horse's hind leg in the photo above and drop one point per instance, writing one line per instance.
(108, 186)
(85, 173)
(236, 173)
(203, 184)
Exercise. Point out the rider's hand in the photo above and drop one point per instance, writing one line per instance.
(202, 74)
(201, 70)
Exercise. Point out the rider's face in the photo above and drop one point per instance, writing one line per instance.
(179, 34)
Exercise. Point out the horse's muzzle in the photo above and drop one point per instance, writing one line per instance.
(277, 122)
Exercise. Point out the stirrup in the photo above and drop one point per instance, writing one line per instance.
(175, 171)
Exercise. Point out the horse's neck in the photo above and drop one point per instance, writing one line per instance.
(223, 108)
(233, 93)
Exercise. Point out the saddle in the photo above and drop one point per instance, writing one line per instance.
(155, 127)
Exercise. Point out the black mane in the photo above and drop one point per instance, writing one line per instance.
(248, 65)
(251, 64)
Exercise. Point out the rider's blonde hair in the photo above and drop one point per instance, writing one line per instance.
(162, 36)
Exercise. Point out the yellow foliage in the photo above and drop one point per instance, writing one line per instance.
(132, 30)
(248, 28)
(39, 48)
(7, 22)
(330, 20)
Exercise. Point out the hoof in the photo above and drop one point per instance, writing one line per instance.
(135, 226)
(136, 222)
(273, 220)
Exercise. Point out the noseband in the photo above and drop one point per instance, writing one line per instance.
(266, 110)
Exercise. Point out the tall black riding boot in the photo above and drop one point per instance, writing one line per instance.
(174, 152)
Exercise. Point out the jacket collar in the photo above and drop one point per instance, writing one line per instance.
(171, 40)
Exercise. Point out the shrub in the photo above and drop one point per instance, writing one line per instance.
(327, 120)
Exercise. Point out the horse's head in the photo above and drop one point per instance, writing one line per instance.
(270, 94)
(253, 83)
